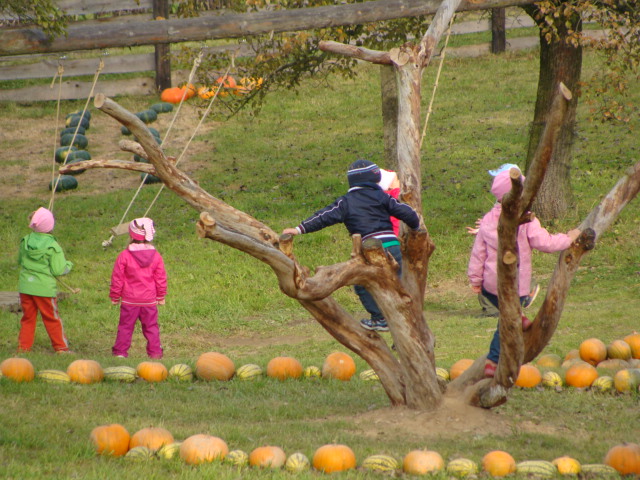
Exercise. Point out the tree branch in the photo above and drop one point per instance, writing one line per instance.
(361, 53)
(120, 164)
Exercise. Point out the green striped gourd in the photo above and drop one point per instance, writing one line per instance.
(140, 453)
(297, 462)
(120, 374)
(250, 371)
(443, 374)
(551, 379)
(74, 120)
(78, 155)
(462, 467)
(182, 372)
(169, 450)
(53, 376)
(537, 468)
(380, 463)
(147, 116)
(369, 376)
(63, 153)
(599, 470)
(602, 384)
(238, 458)
(79, 141)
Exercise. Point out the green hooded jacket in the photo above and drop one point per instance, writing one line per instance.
(41, 259)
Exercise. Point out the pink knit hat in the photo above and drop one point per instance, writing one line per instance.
(142, 229)
(502, 184)
(42, 221)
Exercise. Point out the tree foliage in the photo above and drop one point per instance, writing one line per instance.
(619, 46)
(43, 13)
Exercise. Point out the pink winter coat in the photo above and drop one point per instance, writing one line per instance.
(138, 277)
(483, 265)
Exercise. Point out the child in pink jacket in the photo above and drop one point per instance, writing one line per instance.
(139, 285)
(483, 265)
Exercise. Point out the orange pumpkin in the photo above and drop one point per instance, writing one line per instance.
(529, 376)
(172, 95)
(226, 82)
(633, 341)
(619, 349)
(190, 88)
(203, 448)
(459, 367)
(334, 458)
(549, 360)
(580, 375)
(18, 369)
(247, 84)
(267, 457)
(214, 366)
(284, 367)
(338, 365)
(498, 463)
(206, 92)
(421, 462)
(593, 351)
(152, 371)
(85, 371)
(110, 439)
(151, 437)
(625, 458)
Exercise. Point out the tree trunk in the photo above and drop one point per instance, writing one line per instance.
(389, 94)
(498, 31)
(560, 61)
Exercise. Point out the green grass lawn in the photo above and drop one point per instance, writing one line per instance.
(280, 166)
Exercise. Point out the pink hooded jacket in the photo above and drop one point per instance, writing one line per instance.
(483, 264)
(138, 277)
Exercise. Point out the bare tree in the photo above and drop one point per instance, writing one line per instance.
(408, 377)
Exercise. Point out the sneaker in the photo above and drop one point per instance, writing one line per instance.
(531, 297)
(377, 325)
(526, 323)
(65, 352)
(490, 369)
(120, 356)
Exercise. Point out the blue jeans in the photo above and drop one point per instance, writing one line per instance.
(494, 348)
(366, 299)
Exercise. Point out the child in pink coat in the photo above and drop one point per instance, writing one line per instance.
(483, 265)
(139, 285)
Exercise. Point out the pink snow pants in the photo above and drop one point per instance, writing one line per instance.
(148, 316)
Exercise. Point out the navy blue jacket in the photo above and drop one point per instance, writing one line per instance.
(365, 209)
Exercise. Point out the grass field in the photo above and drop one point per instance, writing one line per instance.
(280, 166)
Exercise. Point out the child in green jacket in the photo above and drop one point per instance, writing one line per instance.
(41, 259)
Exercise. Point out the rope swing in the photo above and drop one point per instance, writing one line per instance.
(435, 85)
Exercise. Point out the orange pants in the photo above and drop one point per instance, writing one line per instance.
(48, 308)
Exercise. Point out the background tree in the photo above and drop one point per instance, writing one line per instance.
(562, 40)
(43, 13)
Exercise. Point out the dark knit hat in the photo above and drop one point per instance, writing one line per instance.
(363, 171)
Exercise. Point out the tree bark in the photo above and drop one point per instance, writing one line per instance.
(389, 97)
(498, 31)
(560, 61)
(162, 51)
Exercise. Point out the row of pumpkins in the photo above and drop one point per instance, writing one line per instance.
(224, 86)
(209, 366)
(158, 442)
(593, 365)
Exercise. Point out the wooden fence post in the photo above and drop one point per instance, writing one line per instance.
(498, 30)
(162, 50)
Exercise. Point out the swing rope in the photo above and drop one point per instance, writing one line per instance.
(58, 74)
(75, 133)
(194, 68)
(435, 86)
(195, 130)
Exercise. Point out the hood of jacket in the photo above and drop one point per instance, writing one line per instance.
(143, 254)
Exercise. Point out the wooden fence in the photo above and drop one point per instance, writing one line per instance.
(133, 12)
